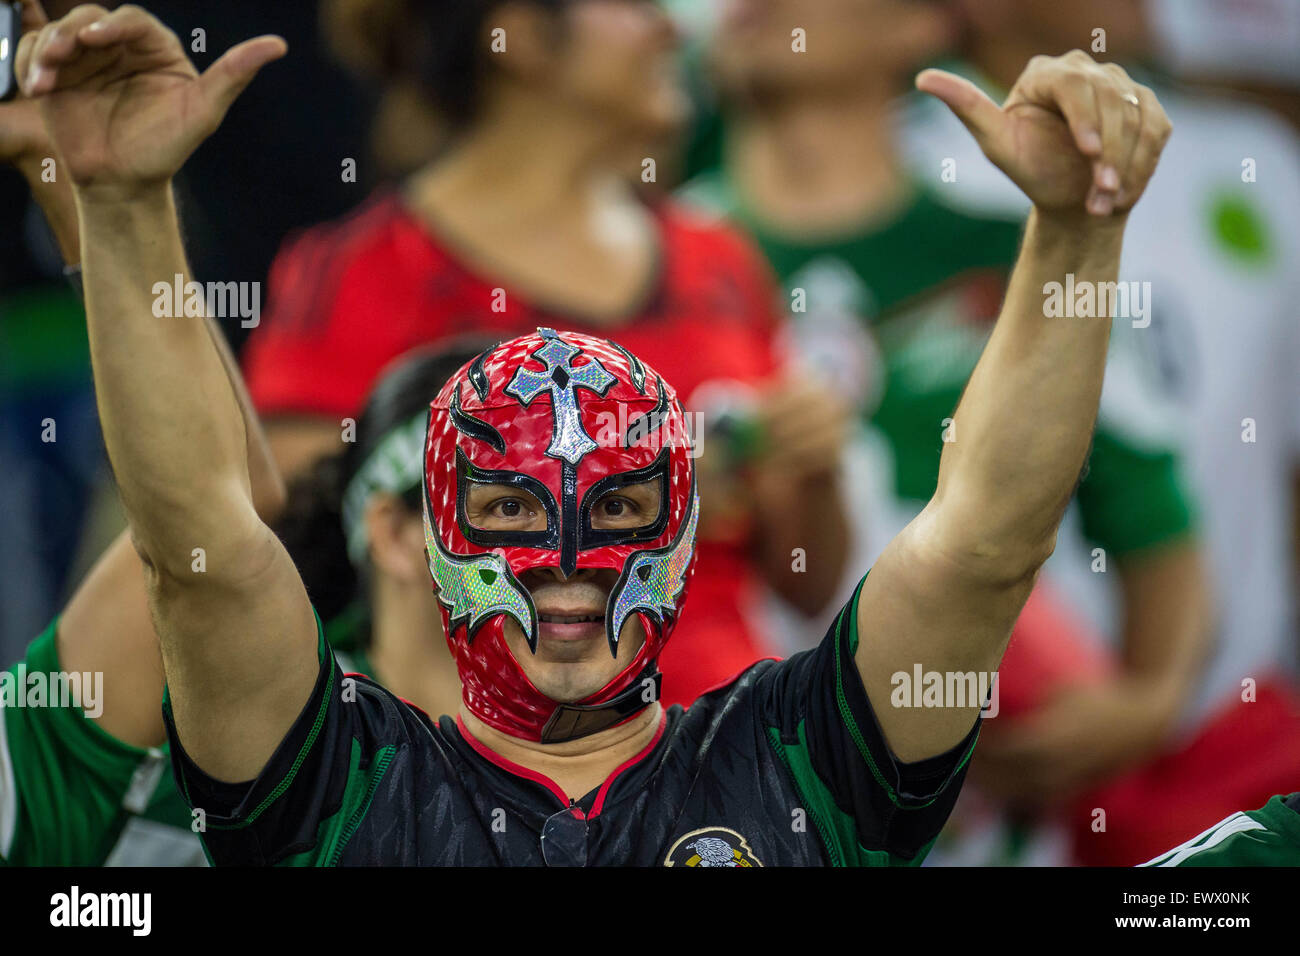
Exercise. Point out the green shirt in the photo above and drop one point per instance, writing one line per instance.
(1269, 836)
(928, 285)
(73, 795)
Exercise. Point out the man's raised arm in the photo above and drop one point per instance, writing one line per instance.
(1081, 139)
(124, 108)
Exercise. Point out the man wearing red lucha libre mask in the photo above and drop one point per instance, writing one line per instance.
(516, 489)
(559, 534)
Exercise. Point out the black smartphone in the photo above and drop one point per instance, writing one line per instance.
(11, 24)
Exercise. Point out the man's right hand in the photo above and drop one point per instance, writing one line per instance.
(122, 103)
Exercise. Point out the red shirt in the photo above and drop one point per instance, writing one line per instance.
(349, 297)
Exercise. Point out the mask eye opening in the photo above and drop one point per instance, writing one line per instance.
(467, 474)
(590, 537)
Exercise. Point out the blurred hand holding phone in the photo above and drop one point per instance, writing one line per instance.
(11, 25)
(24, 142)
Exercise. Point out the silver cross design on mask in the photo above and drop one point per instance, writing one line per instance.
(569, 440)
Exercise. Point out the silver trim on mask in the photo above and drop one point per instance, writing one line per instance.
(475, 587)
(652, 581)
(569, 440)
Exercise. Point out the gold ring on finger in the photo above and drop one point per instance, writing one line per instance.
(1132, 98)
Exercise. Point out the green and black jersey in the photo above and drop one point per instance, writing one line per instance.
(73, 795)
(784, 766)
(1269, 836)
(927, 284)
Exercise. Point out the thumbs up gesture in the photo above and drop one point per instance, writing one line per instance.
(122, 104)
(1079, 138)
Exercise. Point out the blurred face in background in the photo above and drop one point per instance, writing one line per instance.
(395, 533)
(617, 60)
(1062, 25)
(848, 42)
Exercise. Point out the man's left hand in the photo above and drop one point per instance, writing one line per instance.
(1080, 138)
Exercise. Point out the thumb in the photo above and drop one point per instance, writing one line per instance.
(969, 103)
(225, 79)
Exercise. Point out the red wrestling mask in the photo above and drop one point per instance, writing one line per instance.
(566, 418)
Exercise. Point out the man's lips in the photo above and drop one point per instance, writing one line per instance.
(573, 626)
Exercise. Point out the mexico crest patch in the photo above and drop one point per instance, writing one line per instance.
(711, 846)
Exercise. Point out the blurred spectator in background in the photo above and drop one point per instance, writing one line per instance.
(526, 217)
(812, 166)
(1251, 47)
(85, 778)
(49, 431)
(1213, 248)
(280, 160)
(275, 164)
(1248, 46)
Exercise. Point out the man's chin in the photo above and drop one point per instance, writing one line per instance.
(569, 683)
(571, 670)
(573, 661)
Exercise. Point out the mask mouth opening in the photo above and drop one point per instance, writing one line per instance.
(570, 618)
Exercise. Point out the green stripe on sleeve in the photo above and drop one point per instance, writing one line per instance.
(336, 830)
(837, 829)
(850, 628)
